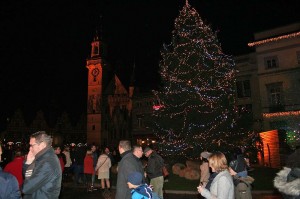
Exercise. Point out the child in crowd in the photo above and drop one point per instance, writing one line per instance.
(139, 190)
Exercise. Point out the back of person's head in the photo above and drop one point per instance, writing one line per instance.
(135, 178)
(42, 136)
(67, 148)
(89, 152)
(218, 161)
(125, 145)
(18, 153)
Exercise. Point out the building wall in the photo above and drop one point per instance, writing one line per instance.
(142, 109)
(274, 74)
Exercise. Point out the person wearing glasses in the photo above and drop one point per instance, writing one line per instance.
(42, 169)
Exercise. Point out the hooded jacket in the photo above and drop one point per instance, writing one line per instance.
(287, 182)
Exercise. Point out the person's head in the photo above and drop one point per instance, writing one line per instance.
(218, 162)
(205, 155)
(93, 148)
(39, 141)
(106, 150)
(89, 153)
(57, 149)
(67, 148)
(18, 154)
(124, 146)
(134, 179)
(137, 151)
(147, 151)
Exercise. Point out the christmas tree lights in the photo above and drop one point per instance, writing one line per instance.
(197, 106)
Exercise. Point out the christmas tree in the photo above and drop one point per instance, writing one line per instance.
(196, 109)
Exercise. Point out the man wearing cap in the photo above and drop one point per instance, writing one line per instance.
(204, 168)
(128, 164)
(154, 170)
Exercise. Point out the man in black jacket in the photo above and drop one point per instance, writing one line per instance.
(128, 164)
(154, 170)
(42, 169)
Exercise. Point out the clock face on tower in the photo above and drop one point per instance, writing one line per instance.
(95, 72)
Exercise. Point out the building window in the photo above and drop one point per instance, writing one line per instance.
(93, 127)
(243, 88)
(275, 96)
(298, 57)
(271, 62)
(139, 120)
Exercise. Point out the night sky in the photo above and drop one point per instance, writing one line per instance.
(44, 43)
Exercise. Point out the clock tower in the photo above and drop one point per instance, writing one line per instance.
(94, 64)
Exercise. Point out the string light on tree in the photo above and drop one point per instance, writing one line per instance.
(197, 106)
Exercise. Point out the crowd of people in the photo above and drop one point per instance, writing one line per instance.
(41, 171)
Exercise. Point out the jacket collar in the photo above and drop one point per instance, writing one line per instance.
(125, 153)
(42, 152)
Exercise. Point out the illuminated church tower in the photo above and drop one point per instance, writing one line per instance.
(94, 100)
(109, 103)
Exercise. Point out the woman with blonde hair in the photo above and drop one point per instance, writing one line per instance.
(221, 186)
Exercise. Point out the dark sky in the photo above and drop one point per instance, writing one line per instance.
(44, 43)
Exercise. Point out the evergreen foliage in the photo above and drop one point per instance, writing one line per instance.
(196, 101)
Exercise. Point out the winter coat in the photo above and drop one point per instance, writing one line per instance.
(15, 168)
(239, 166)
(103, 164)
(61, 162)
(204, 176)
(68, 158)
(88, 167)
(128, 164)
(221, 187)
(9, 187)
(287, 182)
(154, 166)
(142, 191)
(43, 176)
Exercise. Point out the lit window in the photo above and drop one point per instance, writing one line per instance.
(275, 96)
